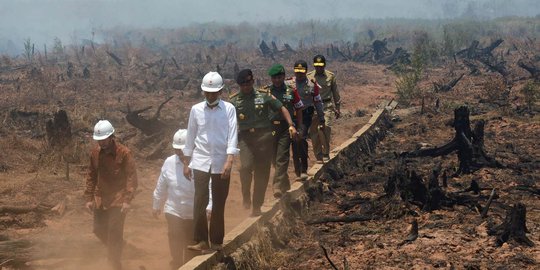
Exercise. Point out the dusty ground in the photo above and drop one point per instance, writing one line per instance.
(66, 241)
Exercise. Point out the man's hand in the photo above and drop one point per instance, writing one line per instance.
(90, 206)
(226, 173)
(187, 173)
(125, 208)
(155, 213)
(293, 133)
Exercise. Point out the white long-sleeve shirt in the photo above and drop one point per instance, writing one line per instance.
(179, 191)
(212, 134)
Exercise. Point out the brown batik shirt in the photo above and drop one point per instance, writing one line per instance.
(112, 177)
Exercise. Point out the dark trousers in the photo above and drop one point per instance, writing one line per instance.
(256, 159)
(109, 228)
(300, 147)
(282, 146)
(220, 191)
(180, 234)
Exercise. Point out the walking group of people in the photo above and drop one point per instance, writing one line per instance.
(260, 125)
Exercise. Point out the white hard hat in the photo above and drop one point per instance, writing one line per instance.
(102, 130)
(212, 82)
(179, 139)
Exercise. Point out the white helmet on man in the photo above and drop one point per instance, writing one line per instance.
(212, 82)
(179, 139)
(102, 130)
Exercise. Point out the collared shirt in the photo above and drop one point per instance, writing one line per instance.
(329, 90)
(211, 135)
(112, 177)
(253, 109)
(289, 97)
(179, 191)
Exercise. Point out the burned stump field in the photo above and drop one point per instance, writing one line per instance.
(401, 208)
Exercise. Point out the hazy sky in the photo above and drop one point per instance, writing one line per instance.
(42, 20)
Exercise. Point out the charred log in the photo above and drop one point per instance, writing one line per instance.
(400, 56)
(445, 87)
(530, 67)
(115, 58)
(514, 227)
(148, 126)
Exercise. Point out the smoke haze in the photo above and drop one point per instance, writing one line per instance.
(72, 20)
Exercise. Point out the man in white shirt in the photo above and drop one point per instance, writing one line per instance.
(179, 194)
(211, 144)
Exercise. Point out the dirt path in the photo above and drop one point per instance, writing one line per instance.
(68, 243)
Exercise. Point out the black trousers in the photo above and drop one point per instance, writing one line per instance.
(180, 234)
(220, 191)
(109, 228)
(300, 147)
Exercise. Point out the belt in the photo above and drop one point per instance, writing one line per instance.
(279, 122)
(327, 100)
(252, 130)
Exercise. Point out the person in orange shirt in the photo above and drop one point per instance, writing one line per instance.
(110, 187)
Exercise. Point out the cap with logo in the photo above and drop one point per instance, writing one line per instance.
(300, 66)
(319, 61)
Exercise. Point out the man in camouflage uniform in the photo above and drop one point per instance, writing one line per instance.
(331, 99)
(309, 94)
(255, 137)
(291, 100)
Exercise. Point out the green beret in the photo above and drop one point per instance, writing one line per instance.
(276, 69)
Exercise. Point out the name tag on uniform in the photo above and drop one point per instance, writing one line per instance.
(259, 101)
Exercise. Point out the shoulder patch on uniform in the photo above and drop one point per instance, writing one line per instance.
(330, 73)
(233, 94)
(264, 90)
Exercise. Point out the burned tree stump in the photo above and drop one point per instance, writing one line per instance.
(149, 126)
(445, 87)
(380, 50)
(469, 145)
(58, 129)
(514, 227)
(266, 51)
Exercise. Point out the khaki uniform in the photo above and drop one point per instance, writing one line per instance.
(331, 99)
(255, 141)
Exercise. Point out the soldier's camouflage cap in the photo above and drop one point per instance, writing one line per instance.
(276, 69)
(319, 61)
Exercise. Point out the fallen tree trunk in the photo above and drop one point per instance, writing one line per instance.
(148, 126)
(445, 87)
